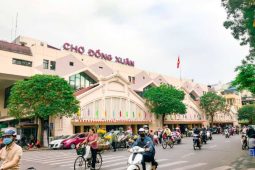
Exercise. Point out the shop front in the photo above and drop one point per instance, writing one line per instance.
(183, 124)
(84, 125)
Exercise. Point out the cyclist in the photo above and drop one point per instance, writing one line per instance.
(145, 141)
(166, 133)
(91, 140)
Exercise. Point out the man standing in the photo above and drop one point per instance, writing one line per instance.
(11, 153)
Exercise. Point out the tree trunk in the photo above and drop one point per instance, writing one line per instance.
(42, 132)
(212, 116)
(163, 119)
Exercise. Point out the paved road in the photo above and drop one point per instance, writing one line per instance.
(218, 154)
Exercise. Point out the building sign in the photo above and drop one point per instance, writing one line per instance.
(97, 54)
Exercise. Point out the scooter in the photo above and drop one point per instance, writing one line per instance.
(135, 159)
(196, 142)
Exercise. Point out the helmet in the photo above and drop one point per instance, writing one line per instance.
(145, 126)
(9, 132)
(141, 130)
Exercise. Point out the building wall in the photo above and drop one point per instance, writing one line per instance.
(113, 88)
(3, 111)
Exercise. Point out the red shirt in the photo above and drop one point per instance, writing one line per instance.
(91, 138)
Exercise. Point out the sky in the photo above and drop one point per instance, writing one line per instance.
(153, 33)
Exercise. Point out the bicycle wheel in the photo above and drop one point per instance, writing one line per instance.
(171, 144)
(98, 161)
(80, 163)
(164, 144)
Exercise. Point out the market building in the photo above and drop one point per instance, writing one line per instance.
(110, 89)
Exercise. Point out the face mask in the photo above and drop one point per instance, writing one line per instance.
(7, 141)
(146, 131)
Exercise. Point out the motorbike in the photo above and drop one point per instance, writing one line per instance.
(135, 159)
(209, 134)
(177, 137)
(226, 132)
(196, 142)
(203, 138)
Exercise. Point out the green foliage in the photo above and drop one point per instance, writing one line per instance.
(247, 112)
(212, 103)
(240, 20)
(42, 96)
(245, 78)
(165, 99)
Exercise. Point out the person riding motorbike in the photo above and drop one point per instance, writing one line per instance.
(145, 142)
(204, 136)
(147, 131)
(197, 132)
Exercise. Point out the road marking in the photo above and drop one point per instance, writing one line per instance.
(112, 157)
(213, 146)
(172, 164)
(105, 160)
(227, 141)
(222, 168)
(187, 155)
(49, 160)
(191, 166)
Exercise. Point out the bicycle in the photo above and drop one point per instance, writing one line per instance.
(84, 160)
(168, 141)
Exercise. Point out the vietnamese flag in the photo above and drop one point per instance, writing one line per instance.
(178, 62)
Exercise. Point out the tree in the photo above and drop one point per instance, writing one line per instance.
(247, 112)
(212, 103)
(42, 96)
(245, 78)
(241, 21)
(165, 100)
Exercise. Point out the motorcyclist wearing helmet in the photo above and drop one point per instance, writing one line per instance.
(11, 153)
(147, 131)
(144, 141)
(197, 132)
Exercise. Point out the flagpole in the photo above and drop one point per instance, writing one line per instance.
(180, 72)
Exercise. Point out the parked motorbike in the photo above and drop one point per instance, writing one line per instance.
(196, 142)
(209, 134)
(135, 159)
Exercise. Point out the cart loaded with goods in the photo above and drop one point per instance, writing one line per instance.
(103, 141)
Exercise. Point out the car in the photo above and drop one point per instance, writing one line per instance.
(214, 130)
(57, 143)
(72, 141)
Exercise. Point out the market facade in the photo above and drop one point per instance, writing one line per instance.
(110, 89)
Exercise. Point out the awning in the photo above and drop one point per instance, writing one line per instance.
(7, 119)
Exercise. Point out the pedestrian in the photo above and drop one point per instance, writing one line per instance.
(91, 140)
(114, 140)
(11, 153)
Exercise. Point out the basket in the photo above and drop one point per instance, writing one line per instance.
(81, 151)
(103, 147)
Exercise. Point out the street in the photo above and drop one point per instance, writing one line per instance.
(218, 154)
